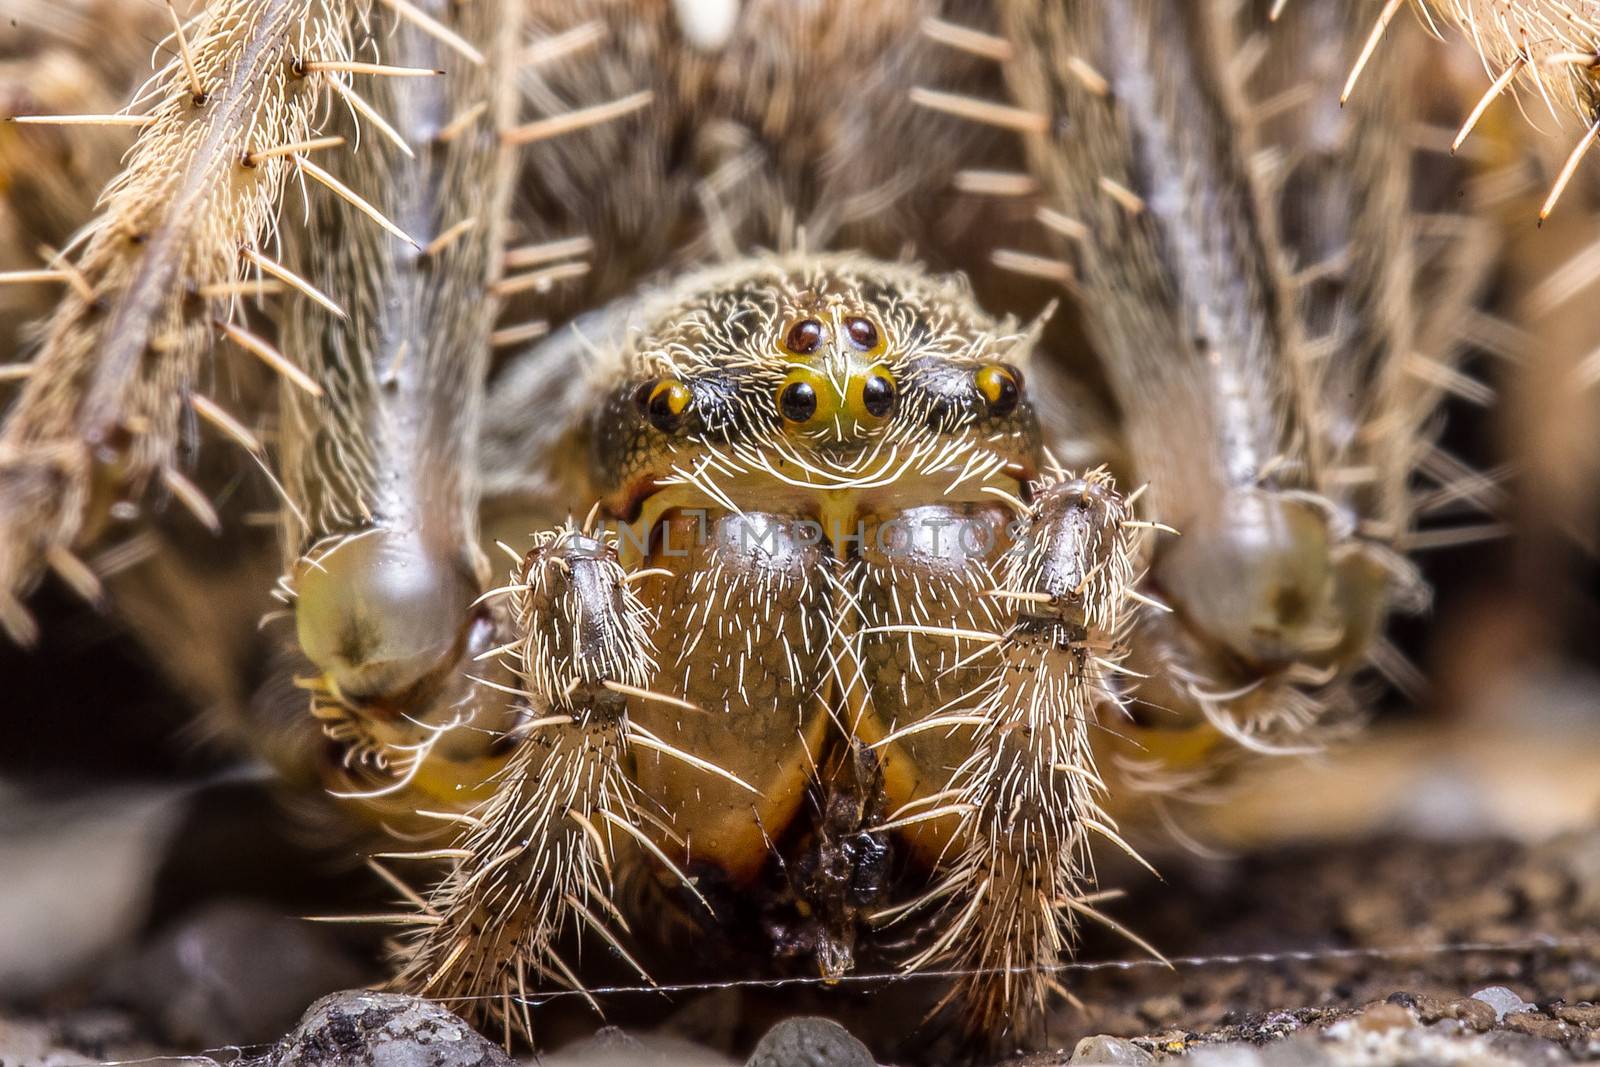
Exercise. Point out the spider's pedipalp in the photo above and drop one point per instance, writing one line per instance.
(535, 865)
(1014, 877)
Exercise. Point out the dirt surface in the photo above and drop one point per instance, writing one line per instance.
(1379, 932)
(1372, 952)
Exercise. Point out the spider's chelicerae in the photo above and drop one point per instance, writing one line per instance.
(927, 435)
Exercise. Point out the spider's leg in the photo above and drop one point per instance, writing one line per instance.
(50, 174)
(1027, 800)
(402, 245)
(154, 281)
(1266, 361)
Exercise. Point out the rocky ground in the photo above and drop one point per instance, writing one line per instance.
(1385, 951)
(1392, 932)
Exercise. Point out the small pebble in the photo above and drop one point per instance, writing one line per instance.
(1503, 1001)
(1110, 1052)
(810, 1042)
(1537, 1024)
(1474, 1013)
(1586, 1015)
(358, 1028)
(1381, 1017)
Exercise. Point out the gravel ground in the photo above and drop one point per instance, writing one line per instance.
(1317, 957)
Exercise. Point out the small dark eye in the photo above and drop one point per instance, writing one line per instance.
(863, 334)
(804, 337)
(665, 403)
(877, 394)
(1001, 387)
(798, 401)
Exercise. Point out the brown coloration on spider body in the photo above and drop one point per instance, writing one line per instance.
(838, 622)
(847, 616)
(728, 335)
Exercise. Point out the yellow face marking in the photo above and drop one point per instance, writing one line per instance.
(838, 376)
(807, 398)
(872, 394)
(668, 400)
(1000, 385)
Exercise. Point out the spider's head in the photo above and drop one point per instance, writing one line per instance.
(813, 373)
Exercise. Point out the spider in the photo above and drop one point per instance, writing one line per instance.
(814, 470)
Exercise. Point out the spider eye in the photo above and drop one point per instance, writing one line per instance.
(1001, 387)
(805, 337)
(807, 399)
(862, 333)
(664, 403)
(878, 393)
(797, 401)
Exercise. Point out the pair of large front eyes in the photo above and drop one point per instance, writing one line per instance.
(806, 397)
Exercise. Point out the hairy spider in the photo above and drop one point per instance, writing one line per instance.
(736, 326)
